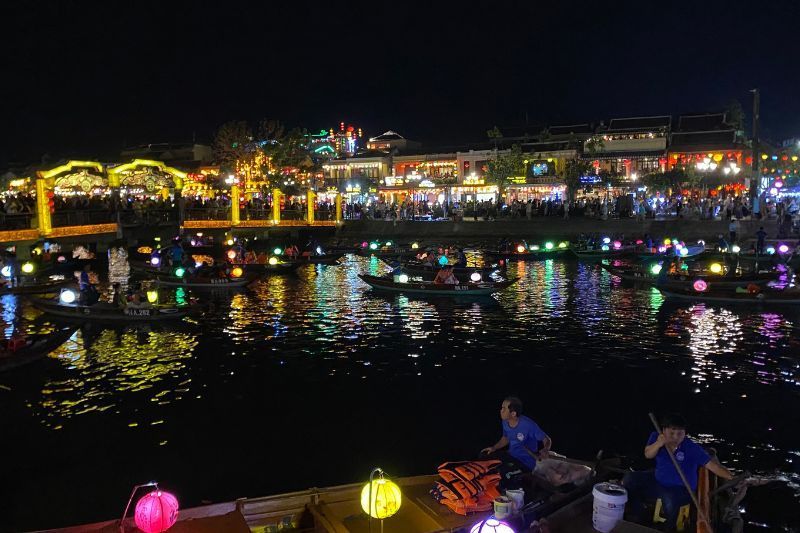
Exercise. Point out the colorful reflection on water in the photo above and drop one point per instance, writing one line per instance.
(315, 369)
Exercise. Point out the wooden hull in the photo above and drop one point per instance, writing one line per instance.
(265, 268)
(527, 256)
(595, 255)
(35, 351)
(416, 269)
(476, 289)
(380, 254)
(36, 288)
(103, 312)
(693, 251)
(762, 298)
(206, 283)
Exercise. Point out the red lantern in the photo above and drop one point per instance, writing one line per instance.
(50, 194)
(749, 160)
(156, 512)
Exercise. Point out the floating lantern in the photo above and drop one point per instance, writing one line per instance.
(656, 269)
(639, 241)
(770, 250)
(380, 498)
(230, 242)
(548, 245)
(61, 259)
(152, 296)
(155, 261)
(606, 240)
(156, 512)
(700, 285)
(662, 249)
(443, 260)
(231, 254)
(715, 268)
(475, 277)
(534, 247)
(27, 267)
(180, 271)
(617, 245)
(520, 248)
(6, 271)
(364, 244)
(273, 260)
(562, 244)
(735, 249)
(414, 246)
(604, 247)
(277, 251)
(491, 525)
(678, 246)
(667, 242)
(193, 242)
(684, 252)
(67, 296)
(237, 272)
(782, 249)
(402, 278)
(388, 243)
(373, 246)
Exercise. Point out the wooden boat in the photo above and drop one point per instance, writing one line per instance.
(764, 297)
(281, 267)
(529, 255)
(585, 254)
(103, 311)
(428, 272)
(426, 287)
(35, 349)
(383, 253)
(679, 281)
(338, 510)
(692, 250)
(206, 282)
(32, 286)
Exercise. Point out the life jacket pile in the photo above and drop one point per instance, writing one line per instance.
(467, 486)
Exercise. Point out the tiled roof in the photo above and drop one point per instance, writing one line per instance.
(639, 123)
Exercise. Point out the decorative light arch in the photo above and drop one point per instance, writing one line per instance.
(75, 175)
(115, 173)
(69, 165)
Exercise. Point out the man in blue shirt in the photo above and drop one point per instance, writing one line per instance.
(665, 482)
(521, 435)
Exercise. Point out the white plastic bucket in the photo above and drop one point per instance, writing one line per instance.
(502, 507)
(608, 506)
(517, 497)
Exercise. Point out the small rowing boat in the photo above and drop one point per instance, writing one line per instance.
(319, 259)
(484, 288)
(692, 250)
(34, 349)
(428, 272)
(281, 267)
(763, 297)
(586, 254)
(103, 311)
(528, 255)
(206, 282)
(687, 281)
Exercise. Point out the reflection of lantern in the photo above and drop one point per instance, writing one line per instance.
(273, 260)
(700, 285)
(381, 498)
(156, 512)
(491, 525)
(715, 268)
(237, 272)
(152, 296)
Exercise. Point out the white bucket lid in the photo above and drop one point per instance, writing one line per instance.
(610, 492)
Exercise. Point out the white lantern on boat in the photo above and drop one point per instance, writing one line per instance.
(475, 277)
(67, 296)
(402, 278)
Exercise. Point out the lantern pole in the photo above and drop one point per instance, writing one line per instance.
(127, 507)
(371, 502)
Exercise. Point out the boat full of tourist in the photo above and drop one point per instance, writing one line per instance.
(453, 287)
(524, 251)
(68, 305)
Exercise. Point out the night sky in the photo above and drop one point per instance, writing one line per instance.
(82, 79)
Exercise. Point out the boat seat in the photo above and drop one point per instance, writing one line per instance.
(684, 516)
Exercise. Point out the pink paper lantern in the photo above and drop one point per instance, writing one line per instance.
(156, 512)
(700, 285)
(491, 525)
(617, 245)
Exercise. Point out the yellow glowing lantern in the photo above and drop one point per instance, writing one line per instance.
(27, 268)
(231, 254)
(230, 242)
(237, 272)
(520, 249)
(273, 260)
(152, 296)
(763, 156)
(383, 500)
(715, 268)
(717, 157)
(794, 158)
(667, 242)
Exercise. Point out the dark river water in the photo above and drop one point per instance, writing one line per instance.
(313, 379)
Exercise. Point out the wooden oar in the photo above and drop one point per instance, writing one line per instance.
(701, 515)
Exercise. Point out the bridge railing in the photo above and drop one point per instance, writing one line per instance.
(82, 217)
(207, 213)
(147, 217)
(17, 221)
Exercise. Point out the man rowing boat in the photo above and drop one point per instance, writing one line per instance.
(665, 482)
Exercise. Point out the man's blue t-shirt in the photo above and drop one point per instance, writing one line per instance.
(690, 456)
(523, 437)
